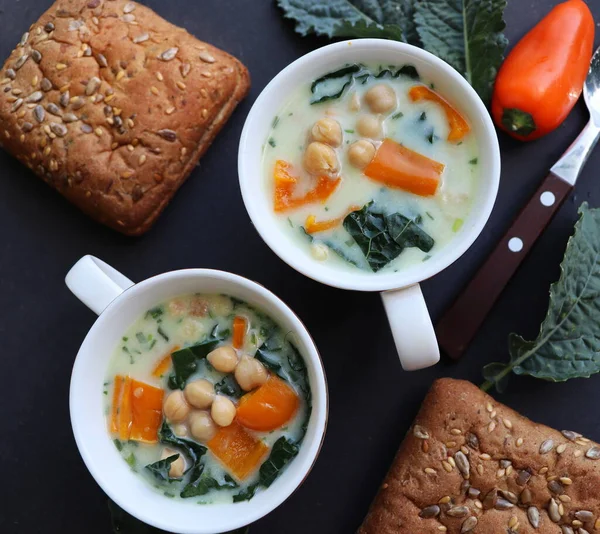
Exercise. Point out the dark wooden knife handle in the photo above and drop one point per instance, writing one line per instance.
(460, 323)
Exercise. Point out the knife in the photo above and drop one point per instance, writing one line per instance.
(462, 320)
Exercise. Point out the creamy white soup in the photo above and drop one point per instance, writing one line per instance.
(207, 399)
(370, 168)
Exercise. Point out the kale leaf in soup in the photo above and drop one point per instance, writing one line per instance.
(160, 469)
(282, 453)
(382, 238)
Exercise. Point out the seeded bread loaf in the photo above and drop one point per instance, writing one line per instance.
(113, 106)
(469, 464)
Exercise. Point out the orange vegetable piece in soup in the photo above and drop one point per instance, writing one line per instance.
(146, 407)
(136, 412)
(240, 452)
(459, 127)
(239, 331)
(125, 412)
(164, 364)
(269, 407)
(285, 184)
(312, 226)
(402, 168)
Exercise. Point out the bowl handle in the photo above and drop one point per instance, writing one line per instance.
(95, 283)
(411, 327)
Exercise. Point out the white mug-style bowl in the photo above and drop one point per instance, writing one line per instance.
(406, 309)
(119, 303)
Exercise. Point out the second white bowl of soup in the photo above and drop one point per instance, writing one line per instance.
(371, 165)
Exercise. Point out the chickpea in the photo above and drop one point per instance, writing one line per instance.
(177, 468)
(181, 430)
(327, 131)
(319, 251)
(361, 153)
(320, 159)
(223, 359)
(223, 411)
(381, 98)
(176, 408)
(369, 126)
(200, 393)
(202, 426)
(250, 373)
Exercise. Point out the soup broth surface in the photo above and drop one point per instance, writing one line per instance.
(421, 126)
(188, 322)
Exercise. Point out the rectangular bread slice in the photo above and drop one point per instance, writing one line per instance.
(113, 106)
(470, 464)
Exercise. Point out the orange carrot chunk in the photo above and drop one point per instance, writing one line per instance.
(285, 184)
(402, 168)
(164, 364)
(269, 407)
(116, 400)
(239, 331)
(146, 408)
(312, 226)
(237, 450)
(125, 412)
(459, 127)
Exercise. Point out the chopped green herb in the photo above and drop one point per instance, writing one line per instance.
(432, 138)
(423, 116)
(105, 392)
(131, 461)
(118, 445)
(275, 121)
(457, 225)
(125, 338)
(152, 344)
(429, 215)
(272, 142)
(473, 161)
(397, 115)
(140, 337)
(162, 334)
(290, 222)
(155, 313)
(349, 131)
(432, 85)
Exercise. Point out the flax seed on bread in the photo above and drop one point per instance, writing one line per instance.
(470, 464)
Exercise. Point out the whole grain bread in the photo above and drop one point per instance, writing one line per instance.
(114, 106)
(470, 464)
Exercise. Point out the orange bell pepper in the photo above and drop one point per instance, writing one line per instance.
(459, 127)
(239, 331)
(312, 226)
(125, 411)
(543, 76)
(237, 450)
(400, 167)
(269, 407)
(136, 411)
(164, 364)
(285, 184)
(146, 412)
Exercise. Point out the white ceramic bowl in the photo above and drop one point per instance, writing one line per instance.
(119, 303)
(408, 315)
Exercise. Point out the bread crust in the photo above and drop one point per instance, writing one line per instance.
(113, 106)
(517, 476)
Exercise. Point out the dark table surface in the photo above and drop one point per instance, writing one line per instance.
(46, 487)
